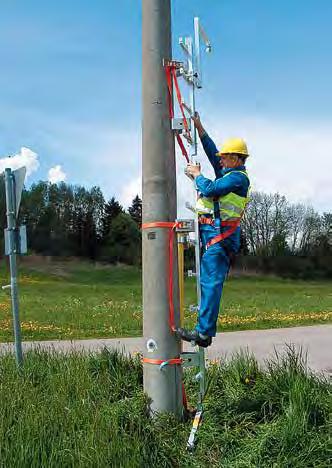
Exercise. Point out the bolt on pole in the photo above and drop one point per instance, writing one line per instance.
(11, 226)
(164, 387)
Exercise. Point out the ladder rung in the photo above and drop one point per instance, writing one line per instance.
(188, 108)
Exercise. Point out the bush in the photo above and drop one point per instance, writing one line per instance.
(288, 266)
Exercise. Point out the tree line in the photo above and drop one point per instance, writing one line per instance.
(288, 239)
(272, 226)
(67, 220)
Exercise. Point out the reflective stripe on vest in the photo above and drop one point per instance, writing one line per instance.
(231, 205)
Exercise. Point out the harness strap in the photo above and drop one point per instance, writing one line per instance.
(204, 220)
(233, 225)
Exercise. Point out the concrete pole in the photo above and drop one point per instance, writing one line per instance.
(159, 204)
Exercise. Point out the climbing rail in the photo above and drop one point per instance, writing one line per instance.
(189, 69)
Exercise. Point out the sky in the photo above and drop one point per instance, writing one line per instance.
(70, 91)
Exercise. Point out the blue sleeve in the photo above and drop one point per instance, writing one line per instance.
(211, 150)
(236, 182)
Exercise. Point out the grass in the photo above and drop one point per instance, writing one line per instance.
(90, 411)
(77, 300)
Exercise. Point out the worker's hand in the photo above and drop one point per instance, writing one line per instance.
(193, 170)
(197, 120)
(198, 124)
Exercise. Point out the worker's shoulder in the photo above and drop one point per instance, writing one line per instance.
(239, 174)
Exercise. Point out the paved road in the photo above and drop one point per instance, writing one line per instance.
(315, 340)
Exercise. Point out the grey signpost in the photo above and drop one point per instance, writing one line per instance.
(15, 243)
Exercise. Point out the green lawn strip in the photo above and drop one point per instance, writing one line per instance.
(89, 301)
(89, 410)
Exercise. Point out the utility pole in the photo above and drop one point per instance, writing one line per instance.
(163, 385)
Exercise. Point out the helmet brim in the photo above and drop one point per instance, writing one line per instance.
(220, 154)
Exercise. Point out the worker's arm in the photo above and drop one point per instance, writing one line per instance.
(208, 145)
(234, 182)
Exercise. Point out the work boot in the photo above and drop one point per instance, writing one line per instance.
(195, 337)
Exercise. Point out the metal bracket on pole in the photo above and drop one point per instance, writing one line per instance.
(172, 63)
(190, 359)
(178, 125)
(19, 235)
(185, 225)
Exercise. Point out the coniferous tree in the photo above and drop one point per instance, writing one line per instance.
(135, 210)
(122, 244)
(111, 210)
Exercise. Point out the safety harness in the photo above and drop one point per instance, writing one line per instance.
(228, 209)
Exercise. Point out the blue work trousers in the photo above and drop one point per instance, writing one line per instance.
(215, 264)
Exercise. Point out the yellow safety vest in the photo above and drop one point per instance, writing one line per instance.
(231, 206)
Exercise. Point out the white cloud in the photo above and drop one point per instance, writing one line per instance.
(56, 174)
(25, 157)
(130, 190)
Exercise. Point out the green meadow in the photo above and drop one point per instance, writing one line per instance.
(79, 300)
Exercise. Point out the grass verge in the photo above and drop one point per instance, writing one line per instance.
(77, 300)
(90, 411)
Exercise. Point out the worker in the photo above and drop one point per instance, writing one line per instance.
(219, 207)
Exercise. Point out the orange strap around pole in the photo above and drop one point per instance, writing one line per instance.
(170, 362)
(159, 224)
(157, 362)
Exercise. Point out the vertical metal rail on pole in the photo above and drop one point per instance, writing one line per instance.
(193, 76)
(164, 387)
(11, 226)
(193, 57)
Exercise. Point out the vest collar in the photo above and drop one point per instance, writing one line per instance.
(232, 169)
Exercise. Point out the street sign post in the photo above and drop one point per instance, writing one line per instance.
(15, 243)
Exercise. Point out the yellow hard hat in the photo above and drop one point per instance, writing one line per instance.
(234, 146)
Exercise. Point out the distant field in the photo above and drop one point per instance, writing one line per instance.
(77, 300)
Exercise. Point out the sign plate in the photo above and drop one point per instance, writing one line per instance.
(19, 178)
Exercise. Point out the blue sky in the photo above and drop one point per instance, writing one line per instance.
(70, 88)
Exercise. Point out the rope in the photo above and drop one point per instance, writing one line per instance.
(170, 71)
(178, 94)
(171, 226)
